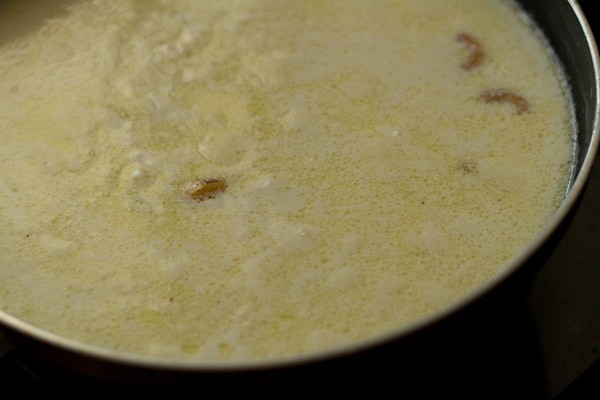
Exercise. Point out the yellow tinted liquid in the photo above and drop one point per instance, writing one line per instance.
(369, 180)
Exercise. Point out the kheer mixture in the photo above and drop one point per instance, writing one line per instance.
(233, 180)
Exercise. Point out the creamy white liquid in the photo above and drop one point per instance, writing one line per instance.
(368, 182)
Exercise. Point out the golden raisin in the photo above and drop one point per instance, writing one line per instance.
(506, 96)
(206, 189)
(476, 55)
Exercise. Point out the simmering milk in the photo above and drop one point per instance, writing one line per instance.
(235, 180)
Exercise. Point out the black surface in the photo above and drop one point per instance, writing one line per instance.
(585, 386)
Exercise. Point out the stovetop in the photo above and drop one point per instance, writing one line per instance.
(543, 346)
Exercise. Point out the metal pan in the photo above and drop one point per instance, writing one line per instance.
(567, 30)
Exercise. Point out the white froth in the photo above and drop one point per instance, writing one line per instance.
(368, 184)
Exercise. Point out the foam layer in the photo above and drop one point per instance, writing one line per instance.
(368, 182)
